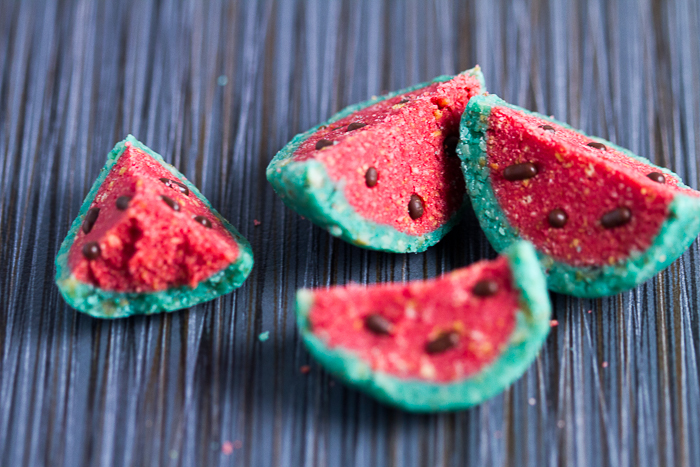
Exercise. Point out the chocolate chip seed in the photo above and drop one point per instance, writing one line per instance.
(182, 187)
(415, 207)
(557, 218)
(445, 341)
(378, 324)
(166, 181)
(520, 171)
(616, 218)
(90, 219)
(203, 220)
(405, 100)
(548, 128)
(174, 205)
(450, 145)
(91, 250)
(595, 145)
(371, 177)
(322, 143)
(657, 177)
(123, 202)
(356, 126)
(485, 288)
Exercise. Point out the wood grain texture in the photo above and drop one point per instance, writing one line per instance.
(217, 88)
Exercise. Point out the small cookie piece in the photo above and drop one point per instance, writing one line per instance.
(147, 241)
(443, 344)
(601, 218)
(383, 174)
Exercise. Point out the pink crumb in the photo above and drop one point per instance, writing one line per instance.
(227, 448)
(238, 444)
(554, 323)
(605, 364)
(304, 369)
(256, 222)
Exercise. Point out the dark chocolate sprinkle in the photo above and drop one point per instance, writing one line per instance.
(356, 126)
(371, 177)
(91, 250)
(557, 218)
(596, 145)
(548, 128)
(485, 288)
(405, 100)
(616, 218)
(166, 181)
(322, 143)
(657, 177)
(378, 324)
(123, 202)
(203, 220)
(90, 219)
(445, 341)
(415, 207)
(450, 145)
(520, 171)
(182, 187)
(174, 205)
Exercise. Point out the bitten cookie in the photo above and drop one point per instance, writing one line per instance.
(601, 218)
(442, 344)
(382, 174)
(147, 241)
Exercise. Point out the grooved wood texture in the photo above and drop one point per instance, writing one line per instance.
(217, 88)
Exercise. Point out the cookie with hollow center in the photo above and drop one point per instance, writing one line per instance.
(146, 240)
(601, 218)
(382, 174)
(441, 344)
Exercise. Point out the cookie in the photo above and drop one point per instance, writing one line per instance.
(147, 241)
(382, 174)
(441, 344)
(601, 218)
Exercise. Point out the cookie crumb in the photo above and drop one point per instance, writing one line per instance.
(227, 448)
(222, 80)
(263, 336)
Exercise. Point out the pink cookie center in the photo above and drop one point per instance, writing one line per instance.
(419, 313)
(145, 244)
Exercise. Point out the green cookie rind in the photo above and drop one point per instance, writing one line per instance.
(306, 188)
(102, 303)
(676, 234)
(532, 327)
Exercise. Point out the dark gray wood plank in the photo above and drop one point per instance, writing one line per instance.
(217, 88)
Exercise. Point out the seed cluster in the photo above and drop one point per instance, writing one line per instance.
(91, 250)
(445, 340)
(558, 218)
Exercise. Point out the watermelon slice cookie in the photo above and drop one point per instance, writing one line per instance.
(383, 174)
(146, 241)
(442, 344)
(601, 218)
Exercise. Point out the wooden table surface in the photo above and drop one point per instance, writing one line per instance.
(219, 87)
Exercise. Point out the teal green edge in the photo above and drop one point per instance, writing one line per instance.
(532, 327)
(108, 304)
(306, 188)
(677, 233)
